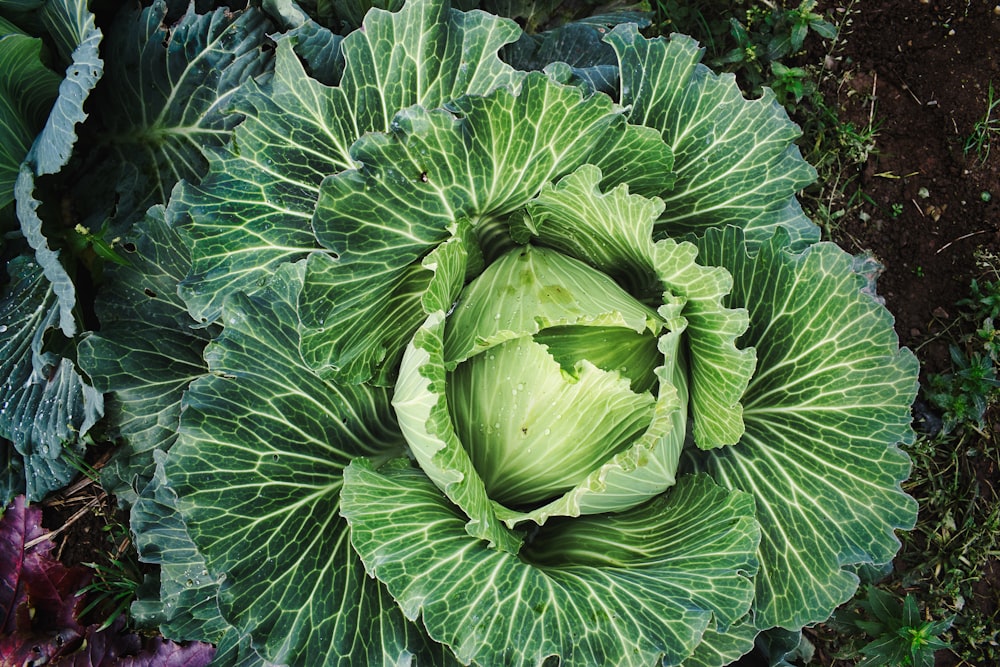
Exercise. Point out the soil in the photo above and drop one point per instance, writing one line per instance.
(925, 69)
(921, 71)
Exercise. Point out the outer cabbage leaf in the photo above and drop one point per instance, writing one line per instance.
(621, 589)
(46, 405)
(316, 45)
(734, 159)
(252, 211)
(823, 417)
(575, 49)
(27, 90)
(163, 102)
(257, 470)
(299, 131)
(185, 606)
(146, 352)
(72, 27)
(427, 54)
(31, 226)
(724, 648)
(345, 15)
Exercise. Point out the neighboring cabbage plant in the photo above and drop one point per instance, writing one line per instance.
(97, 124)
(498, 369)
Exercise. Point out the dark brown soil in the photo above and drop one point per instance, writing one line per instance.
(85, 521)
(926, 67)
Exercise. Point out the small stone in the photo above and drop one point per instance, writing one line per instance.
(940, 313)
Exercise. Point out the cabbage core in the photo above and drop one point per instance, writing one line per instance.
(562, 380)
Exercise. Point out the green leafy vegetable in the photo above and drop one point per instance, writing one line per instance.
(413, 354)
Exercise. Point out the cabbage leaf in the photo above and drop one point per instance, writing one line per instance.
(286, 230)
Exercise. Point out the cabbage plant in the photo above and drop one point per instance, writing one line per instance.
(442, 360)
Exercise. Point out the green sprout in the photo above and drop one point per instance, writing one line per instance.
(984, 129)
(899, 636)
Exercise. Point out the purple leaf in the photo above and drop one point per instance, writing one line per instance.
(38, 594)
(39, 605)
(118, 647)
(160, 652)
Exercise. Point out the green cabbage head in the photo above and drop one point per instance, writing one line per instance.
(511, 370)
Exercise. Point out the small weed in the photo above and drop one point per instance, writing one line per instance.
(982, 132)
(984, 299)
(858, 144)
(897, 633)
(949, 554)
(116, 581)
(896, 210)
(790, 84)
(766, 35)
(964, 394)
(117, 572)
(990, 338)
(749, 39)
